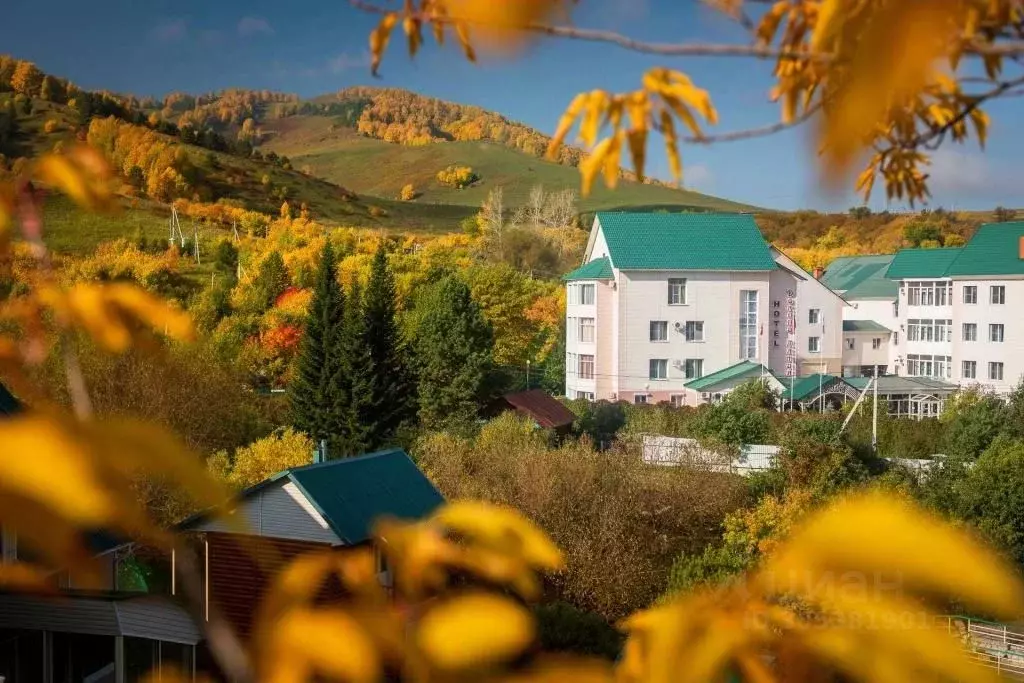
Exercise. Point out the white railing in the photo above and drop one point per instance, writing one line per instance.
(992, 645)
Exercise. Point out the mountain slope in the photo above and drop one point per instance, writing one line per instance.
(370, 166)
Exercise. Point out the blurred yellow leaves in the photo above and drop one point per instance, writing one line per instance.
(473, 631)
(665, 96)
(852, 590)
(81, 173)
(310, 644)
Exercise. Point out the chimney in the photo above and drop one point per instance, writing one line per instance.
(819, 271)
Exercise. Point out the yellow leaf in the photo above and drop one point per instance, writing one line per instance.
(379, 38)
(596, 105)
(845, 537)
(638, 149)
(890, 60)
(980, 120)
(6, 206)
(564, 669)
(502, 528)
(611, 161)
(308, 644)
(668, 129)
(474, 630)
(412, 32)
(565, 124)
(829, 18)
(82, 174)
(19, 576)
(462, 33)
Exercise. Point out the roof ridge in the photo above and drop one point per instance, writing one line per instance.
(338, 461)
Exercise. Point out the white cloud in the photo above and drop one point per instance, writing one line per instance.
(957, 176)
(254, 26)
(345, 62)
(170, 31)
(698, 177)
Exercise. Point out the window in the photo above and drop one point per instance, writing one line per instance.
(814, 344)
(695, 330)
(587, 295)
(676, 291)
(586, 326)
(970, 294)
(813, 316)
(995, 371)
(929, 330)
(659, 330)
(694, 368)
(659, 368)
(938, 367)
(895, 338)
(876, 343)
(995, 333)
(748, 324)
(970, 369)
(997, 294)
(970, 332)
(586, 366)
(677, 400)
(640, 399)
(929, 293)
(586, 395)
(850, 343)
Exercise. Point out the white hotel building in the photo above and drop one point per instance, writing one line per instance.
(683, 307)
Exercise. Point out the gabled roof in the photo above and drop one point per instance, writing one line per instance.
(993, 250)
(912, 263)
(544, 409)
(802, 387)
(685, 241)
(864, 326)
(861, 277)
(598, 269)
(352, 493)
(743, 369)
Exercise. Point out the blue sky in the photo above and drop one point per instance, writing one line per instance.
(311, 47)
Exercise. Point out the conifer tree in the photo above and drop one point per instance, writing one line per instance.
(352, 406)
(393, 387)
(312, 392)
(454, 346)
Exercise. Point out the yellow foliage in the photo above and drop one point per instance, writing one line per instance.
(457, 176)
(408, 193)
(458, 635)
(272, 454)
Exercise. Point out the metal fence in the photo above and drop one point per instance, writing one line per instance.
(992, 645)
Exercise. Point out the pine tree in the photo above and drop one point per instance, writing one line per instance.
(393, 387)
(312, 392)
(454, 345)
(352, 409)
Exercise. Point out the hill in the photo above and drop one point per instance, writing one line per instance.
(339, 153)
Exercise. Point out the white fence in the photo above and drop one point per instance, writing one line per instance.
(669, 450)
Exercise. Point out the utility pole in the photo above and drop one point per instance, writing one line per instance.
(527, 374)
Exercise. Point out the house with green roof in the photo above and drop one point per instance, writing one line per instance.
(137, 621)
(959, 310)
(663, 300)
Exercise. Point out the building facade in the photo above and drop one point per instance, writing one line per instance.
(663, 300)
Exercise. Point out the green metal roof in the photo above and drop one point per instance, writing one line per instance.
(891, 384)
(352, 493)
(860, 277)
(685, 241)
(993, 250)
(740, 370)
(802, 387)
(912, 263)
(864, 326)
(598, 269)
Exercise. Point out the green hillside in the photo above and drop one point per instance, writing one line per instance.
(374, 167)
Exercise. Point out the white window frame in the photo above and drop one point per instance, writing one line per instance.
(970, 332)
(993, 328)
(691, 328)
(677, 400)
(969, 369)
(657, 363)
(851, 343)
(997, 295)
(693, 368)
(749, 337)
(584, 359)
(586, 325)
(585, 395)
(661, 325)
(813, 316)
(993, 367)
(586, 289)
(640, 399)
(876, 343)
(814, 345)
(677, 291)
(970, 294)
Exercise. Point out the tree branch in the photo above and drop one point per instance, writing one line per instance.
(749, 133)
(932, 138)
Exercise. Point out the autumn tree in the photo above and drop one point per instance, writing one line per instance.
(1003, 215)
(408, 193)
(453, 343)
(51, 90)
(263, 458)
(457, 176)
(27, 79)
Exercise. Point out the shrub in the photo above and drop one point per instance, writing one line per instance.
(564, 628)
(408, 193)
(620, 522)
(457, 176)
(51, 126)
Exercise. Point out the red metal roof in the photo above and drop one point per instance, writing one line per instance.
(548, 412)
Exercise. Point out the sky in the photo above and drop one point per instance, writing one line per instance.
(312, 47)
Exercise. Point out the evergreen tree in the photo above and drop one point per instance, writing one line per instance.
(270, 282)
(313, 393)
(393, 387)
(352, 408)
(454, 346)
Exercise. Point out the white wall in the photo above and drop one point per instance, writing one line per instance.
(712, 297)
(907, 312)
(810, 294)
(1010, 352)
(863, 352)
